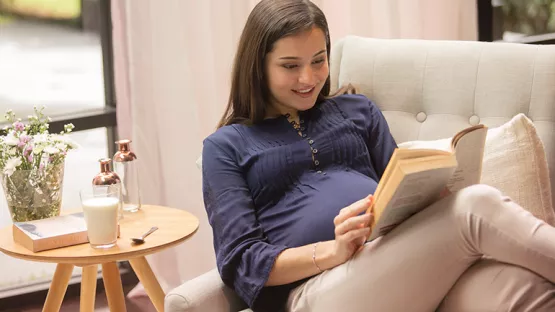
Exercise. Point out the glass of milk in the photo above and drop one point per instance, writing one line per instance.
(100, 207)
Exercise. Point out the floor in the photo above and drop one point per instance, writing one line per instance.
(141, 304)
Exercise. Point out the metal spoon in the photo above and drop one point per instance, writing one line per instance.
(141, 239)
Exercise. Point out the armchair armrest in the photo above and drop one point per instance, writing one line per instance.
(206, 292)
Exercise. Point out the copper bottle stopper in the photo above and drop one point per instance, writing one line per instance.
(106, 175)
(124, 153)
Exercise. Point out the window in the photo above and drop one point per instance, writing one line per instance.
(517, 21)
(58, 53)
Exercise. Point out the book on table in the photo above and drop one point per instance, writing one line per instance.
(52, 233)
(416, 176)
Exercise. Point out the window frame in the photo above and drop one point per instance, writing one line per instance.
(106, 42)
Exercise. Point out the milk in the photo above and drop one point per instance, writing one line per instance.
(101, 216)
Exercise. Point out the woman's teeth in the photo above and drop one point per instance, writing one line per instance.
(305, 91)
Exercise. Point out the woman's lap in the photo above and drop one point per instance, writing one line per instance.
(404, 276)
(416, 265)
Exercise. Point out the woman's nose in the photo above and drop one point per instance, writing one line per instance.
(306, 75)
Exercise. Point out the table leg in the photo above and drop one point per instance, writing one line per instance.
(88, 288)
(152, 287)
(58, 288)
(112, 284)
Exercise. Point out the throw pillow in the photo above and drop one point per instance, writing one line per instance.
(515, 163)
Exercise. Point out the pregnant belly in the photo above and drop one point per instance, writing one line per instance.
(305, 215)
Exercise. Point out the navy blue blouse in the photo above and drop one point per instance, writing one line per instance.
(267, 188)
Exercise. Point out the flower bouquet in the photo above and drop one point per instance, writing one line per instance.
(32, 166)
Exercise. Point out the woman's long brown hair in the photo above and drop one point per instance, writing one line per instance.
(269, 21)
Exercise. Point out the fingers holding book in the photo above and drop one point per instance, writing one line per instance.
(352, 228)
(352, 210)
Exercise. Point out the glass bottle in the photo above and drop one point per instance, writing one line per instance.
(125, 165)
(107, 181)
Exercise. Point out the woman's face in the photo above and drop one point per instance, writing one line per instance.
(296, 70)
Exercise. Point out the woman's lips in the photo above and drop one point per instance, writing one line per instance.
(305, 93)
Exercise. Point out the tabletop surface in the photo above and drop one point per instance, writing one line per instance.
(174, 227)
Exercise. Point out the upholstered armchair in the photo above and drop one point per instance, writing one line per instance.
(430, 90)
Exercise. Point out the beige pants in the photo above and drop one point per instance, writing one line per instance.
(431, 256)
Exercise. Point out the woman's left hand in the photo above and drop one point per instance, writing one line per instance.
(351, 229)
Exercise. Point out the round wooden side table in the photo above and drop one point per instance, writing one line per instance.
(175, 226)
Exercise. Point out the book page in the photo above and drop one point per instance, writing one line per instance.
(442, 145)
(405, 154)
(469, 150)
(416, 191)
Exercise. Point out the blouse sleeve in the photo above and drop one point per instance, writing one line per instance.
(371, 122)
(243, 255)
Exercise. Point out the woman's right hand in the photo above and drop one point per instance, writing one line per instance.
(351, 229)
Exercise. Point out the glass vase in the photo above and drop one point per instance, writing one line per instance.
(34, 194)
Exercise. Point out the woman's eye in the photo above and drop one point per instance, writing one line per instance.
(289, 66)
(293, 66)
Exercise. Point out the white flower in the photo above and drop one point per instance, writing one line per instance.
(61, 146)
(51, 150)
(11, 165)
(37, 149)
(22, 144)
(66, 140)
(40, 138)
(10, 139)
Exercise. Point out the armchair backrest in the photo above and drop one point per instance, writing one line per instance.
(431, 89)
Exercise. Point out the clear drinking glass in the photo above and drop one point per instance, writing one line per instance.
(101, 204)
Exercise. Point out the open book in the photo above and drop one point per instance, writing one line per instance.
(415, 176)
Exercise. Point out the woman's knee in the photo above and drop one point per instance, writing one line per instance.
(477, 199)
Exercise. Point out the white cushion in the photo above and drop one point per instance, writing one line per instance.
(514, 162)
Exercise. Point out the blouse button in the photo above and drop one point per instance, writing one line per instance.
(302, 128)
(319, 171)
(304, 135)
(316, 162)
(315, 151)
(302, 121)
(311, 142)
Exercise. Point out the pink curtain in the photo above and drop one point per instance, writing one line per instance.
(172, 67)
(412, 19)
(121, 68)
